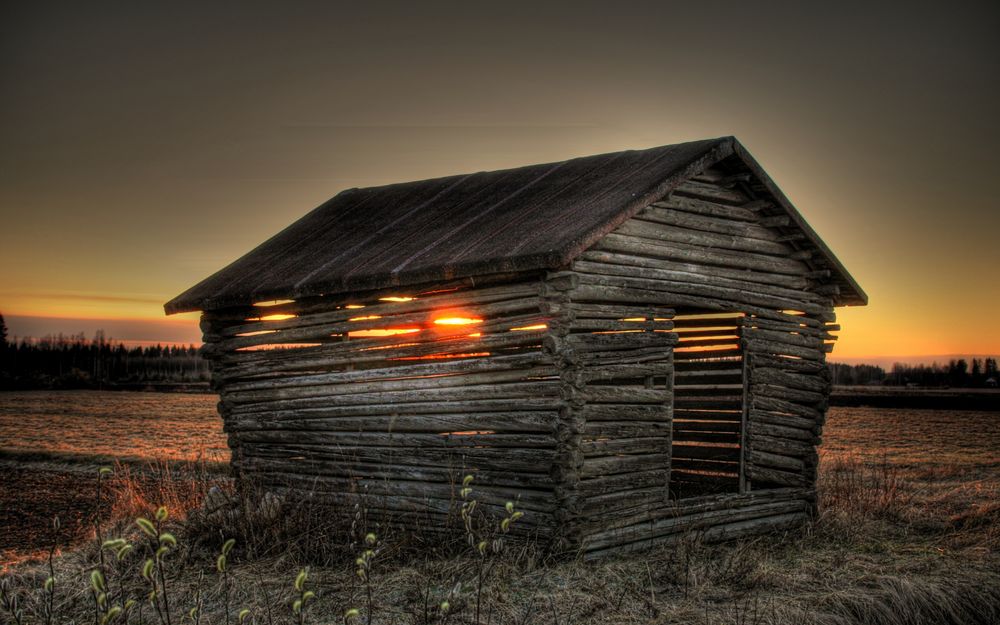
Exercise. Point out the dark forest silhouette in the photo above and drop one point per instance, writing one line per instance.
(956, 373)
(74, 361)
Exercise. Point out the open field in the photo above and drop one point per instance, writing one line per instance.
(908, 532)
(112, 425)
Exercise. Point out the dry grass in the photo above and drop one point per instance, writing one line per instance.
(898, 540)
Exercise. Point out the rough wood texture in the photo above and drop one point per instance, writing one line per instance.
(401, 397)
(749, 379)
(534, 218)
(668, 378)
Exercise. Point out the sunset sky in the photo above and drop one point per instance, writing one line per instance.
(144, 148)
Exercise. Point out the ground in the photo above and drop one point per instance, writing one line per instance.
(907, 533)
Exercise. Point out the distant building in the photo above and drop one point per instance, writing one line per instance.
(629, 345)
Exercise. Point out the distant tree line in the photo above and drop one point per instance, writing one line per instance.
(958, 373)
(75, 361)
(856, 375)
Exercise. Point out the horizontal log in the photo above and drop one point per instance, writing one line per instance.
(787, 407)
(773, 347)
(622, 394)
(320, 389)
(706, 207)
(611, 465)
(627, 429)
(611, 342)
(653, 353)
(629, 371)
(788, 379)
(790, 421)
(398, 372)
(775, 221)
(710, 175)
(716, 533)
(412, 496)
(718, 225)
(631, 446)
(464, 407)
(611, 311)
(787, 394)
(695, 254)
(698, 269)
(787, 338)
(685, 508)
(692, 522)
(785, 446)
(624, 412)
(606, 325)
(397, 471)
(759, 204)
(821, 369)
(510, 390)
(404, 442)
(596, 486)
(711, 191)
(501, 422)
(779, 326)
(512, 459)
(678, 234)
(776, 461)
(611, 503)
(731, 354)
(764, 475)
(588, 292)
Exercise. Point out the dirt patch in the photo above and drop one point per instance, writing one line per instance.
(31, 497)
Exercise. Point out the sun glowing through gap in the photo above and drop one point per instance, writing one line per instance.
(276, 317)
(456, 321)
(396, 298)
(378, 332)
(275, 302)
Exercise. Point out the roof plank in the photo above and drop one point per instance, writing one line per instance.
(529, 218)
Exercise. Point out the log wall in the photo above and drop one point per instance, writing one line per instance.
(751, 320)
(672, 379)
(392, 397)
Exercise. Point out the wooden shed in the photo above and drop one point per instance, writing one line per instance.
(630, 345)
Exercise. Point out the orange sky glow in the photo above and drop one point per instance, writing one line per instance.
(148, 148)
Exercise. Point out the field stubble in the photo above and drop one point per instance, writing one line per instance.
(907, 533)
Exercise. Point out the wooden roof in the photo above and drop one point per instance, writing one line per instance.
(528, 218)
